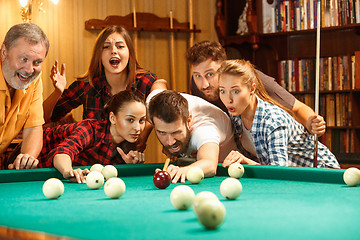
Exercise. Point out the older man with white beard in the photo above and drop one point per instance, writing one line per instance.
(22, 53)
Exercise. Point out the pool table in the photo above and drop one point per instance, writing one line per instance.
(276, 203)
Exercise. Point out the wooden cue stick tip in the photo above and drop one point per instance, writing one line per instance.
(167, 161)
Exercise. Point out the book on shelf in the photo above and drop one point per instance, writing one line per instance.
(330, 78)
(342, 140)
(341, 73)
(338, 73)
(357, 70)
(301, 81)
(330, 110)
(339, 140)
(321, 75)
(349, 112)
(290, 15)
(337, 110)
(335, 73)
(357, 11)
(334, 107)
(346, 68)
(268, 16)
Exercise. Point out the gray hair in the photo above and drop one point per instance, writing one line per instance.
(31, 32)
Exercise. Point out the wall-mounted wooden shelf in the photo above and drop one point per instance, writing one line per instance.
(147, 22)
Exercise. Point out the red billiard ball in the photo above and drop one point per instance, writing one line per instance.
(162, 179)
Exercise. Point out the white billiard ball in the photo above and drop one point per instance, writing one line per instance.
(352, 177)
(211, 213)
(182, 197)
(236, 170)
(230, 188)
(96, 167)
(53, 188)
(195, 175)
(200, 197)
(94, 180)
(109, 171)
(114, 187)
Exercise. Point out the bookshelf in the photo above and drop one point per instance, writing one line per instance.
(281, 48)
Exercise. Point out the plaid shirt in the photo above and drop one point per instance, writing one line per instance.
(280, 140)
(86, 142)
(93, 98)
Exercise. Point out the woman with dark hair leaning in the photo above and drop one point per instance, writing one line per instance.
(91, 141)
(113, 68)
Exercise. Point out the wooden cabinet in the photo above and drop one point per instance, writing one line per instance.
(267, 50)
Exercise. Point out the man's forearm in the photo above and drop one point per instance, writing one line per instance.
(32, 141)
(302, 112)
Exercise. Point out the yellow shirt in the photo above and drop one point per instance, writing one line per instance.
(25, 110)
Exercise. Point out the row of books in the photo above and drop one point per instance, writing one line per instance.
(290, 15)
(335, 108)
(335, 73)
(339, 140)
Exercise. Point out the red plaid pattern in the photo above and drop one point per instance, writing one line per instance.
(93, 98)
(87, 142)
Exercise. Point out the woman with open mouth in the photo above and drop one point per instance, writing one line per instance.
(113, 68)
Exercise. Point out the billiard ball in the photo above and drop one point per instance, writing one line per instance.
(211, 213)
(182, 197)
(109, 171)
(200, 197)
(96, 167)
(53, 188)
(162, 179)
(195, 175)
(236, 170)
(352, 177)
(114, 187)
(230, 188)
(94, 180)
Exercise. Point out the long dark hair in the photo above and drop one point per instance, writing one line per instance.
(96, 69)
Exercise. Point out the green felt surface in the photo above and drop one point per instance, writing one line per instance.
(266, 209)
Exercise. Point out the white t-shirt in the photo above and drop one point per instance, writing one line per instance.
(209, 124)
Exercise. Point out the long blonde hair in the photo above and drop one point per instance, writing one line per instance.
(246, 72)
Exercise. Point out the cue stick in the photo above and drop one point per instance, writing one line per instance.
(191, 40)
(172, 53)
(135, 30)
(317, 77)
(167, 161)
